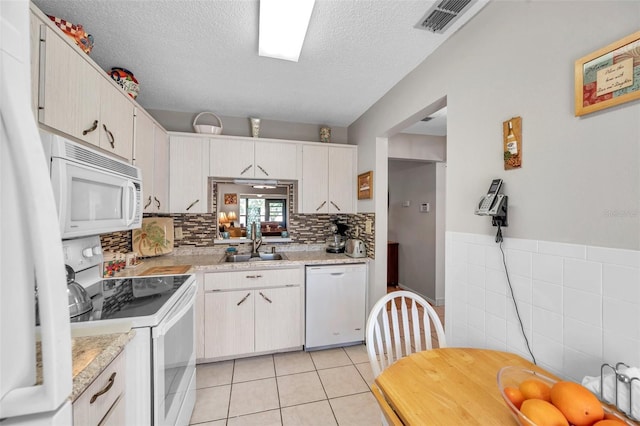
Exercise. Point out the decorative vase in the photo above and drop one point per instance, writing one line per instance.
(255, 127)
(325, 134)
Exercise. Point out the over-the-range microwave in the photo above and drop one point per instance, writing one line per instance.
(94, 193)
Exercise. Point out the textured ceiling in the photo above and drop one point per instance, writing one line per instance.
(196, 56)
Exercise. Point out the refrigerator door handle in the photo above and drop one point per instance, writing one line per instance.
(37, 203)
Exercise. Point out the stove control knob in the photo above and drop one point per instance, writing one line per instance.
(97, 250)
(87, 252)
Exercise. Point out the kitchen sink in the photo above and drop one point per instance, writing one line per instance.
(248, 258)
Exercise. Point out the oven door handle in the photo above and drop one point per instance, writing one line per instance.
(187, 302)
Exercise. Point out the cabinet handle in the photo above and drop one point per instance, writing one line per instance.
(253, 276)
(243, 299)
(263, 170)
(112, 140)
(193, 204)
(105, 389)
(92, 128)
(148, 202)
(157, 201)
(246, 169)
(335, 205)
(265, 297)
(321, 205)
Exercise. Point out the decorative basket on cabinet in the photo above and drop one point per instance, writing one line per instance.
(207, 128)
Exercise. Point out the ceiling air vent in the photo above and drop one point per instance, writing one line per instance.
(441, 16)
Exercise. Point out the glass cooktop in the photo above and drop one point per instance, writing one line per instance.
(132, 297)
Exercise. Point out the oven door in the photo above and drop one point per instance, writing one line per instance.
(174, 360)
(91, 201)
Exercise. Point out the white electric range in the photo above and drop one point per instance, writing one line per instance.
(161, 357)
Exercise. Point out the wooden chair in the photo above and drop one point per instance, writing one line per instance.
(399, 324)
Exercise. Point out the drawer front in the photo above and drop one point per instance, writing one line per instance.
(237, 280)
(104, 391)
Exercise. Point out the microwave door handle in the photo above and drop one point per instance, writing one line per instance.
(131, 202)
(38, 205)
(186, 304)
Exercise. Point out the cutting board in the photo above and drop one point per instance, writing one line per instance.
(166, 270)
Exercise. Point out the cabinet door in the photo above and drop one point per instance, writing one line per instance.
(144, 158)
(315, 179)
(188, 171)
(34, 45)
(231, 158)
(342, 179)
(161, 170)
(116, 120)
(278, 318)
(275, 160)
(229, 319)
(69, 91)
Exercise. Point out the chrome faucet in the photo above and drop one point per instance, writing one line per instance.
(255, 242)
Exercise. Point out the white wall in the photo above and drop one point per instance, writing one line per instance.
(177, 121)
(414, 231)
(418, 147)
(580, 180)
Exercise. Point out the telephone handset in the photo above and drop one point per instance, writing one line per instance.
(490, 204)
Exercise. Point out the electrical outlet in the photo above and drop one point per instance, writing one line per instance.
(367, 226)
(177, 234)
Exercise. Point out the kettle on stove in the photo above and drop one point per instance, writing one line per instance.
(80, 304)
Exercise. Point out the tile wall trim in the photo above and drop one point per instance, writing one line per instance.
(580, 304)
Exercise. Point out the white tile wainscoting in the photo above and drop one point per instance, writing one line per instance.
(580, 305)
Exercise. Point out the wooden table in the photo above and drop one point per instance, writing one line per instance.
(449, 386)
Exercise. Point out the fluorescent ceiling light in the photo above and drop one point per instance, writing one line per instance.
(283, 26)
(257, 183)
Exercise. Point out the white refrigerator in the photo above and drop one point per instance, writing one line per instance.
(30, 249)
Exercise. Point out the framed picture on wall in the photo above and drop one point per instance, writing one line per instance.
(609, 76)
(365, 185)
(231, 198)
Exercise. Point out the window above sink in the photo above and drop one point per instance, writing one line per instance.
(238, 204)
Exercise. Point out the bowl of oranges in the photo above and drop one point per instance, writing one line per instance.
(537, 400)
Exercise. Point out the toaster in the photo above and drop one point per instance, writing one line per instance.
(355, 248)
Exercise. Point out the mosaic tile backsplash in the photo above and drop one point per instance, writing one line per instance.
(199, 230)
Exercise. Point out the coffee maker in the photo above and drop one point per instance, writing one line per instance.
(336, 242)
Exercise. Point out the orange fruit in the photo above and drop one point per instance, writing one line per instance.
(609, 416)
(609, 422)
(578, 405)
(535, 389)
(543, 413)
(514, 395)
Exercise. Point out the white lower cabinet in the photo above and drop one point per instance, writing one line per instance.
(253, 311)
(103, 402)
(229, 323)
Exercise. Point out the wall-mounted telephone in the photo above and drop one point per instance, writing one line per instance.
(491, 204)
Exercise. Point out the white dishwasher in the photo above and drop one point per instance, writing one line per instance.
(335, 305)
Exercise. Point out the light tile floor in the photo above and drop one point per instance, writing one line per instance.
(329, 387)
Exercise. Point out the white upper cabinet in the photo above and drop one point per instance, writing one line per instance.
(74, 96)
(328, 179)
(116, 120)
(152, 156)
(161, 170)
(342, 179)
(188, 172)
(258, 159)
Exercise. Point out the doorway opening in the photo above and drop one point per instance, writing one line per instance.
(416, 204)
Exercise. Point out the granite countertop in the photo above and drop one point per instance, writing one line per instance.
(213, 260)
(91, 355)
